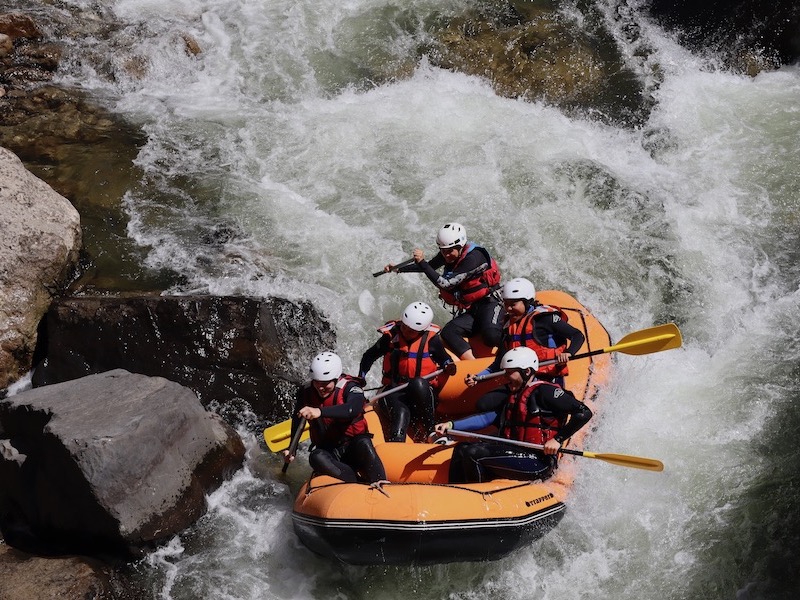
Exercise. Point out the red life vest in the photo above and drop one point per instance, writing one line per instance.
(475, 288)
(407, 360)
(535, 427)
(327, 431)
(520, 333)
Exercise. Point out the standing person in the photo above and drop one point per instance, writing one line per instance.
(468, 283)
(333, 405)
(544, 329)
(536, 412)
(411, 348)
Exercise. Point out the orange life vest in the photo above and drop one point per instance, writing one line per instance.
(327, 431)
(520, 333)
(535, 427)
(475, 288)
(408, 359)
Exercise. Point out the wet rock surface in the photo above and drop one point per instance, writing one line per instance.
(531, 51)
(67, 137)
(25, 576)
(236, 353)
(108, 464)
(38, 254)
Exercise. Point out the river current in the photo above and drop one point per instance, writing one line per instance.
(274, 164)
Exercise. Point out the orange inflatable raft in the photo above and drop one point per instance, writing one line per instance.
(584, 379)
(420, 518)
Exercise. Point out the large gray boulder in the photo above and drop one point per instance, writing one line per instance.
(229, 350)
(110, 463)
(41, 238)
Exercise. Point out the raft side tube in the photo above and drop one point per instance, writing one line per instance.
(419, 523)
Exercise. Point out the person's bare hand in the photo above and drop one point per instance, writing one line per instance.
(441, 428)
(309, 413)
(552, 446)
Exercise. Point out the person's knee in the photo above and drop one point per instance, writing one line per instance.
(398, 417)
(453, 338)
(419, 390)
(370, 463)
(323, 463)
(492, 336)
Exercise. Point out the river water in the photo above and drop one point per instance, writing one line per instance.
(279, 162)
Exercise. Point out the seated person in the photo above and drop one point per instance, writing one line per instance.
(333, 405)
(411, 349)
(536, 411)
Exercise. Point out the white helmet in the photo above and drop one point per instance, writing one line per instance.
(518, 289)
(520, 357)
(418, 316)
(326, 366)
(452, 234)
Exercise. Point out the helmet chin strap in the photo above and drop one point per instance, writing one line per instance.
(530, 378)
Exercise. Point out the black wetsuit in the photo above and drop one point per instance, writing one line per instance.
(414, 405)
(335, 454)
(483, 317)
(484, 461)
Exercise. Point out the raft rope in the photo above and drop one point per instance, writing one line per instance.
(483, 493)
(582, 313)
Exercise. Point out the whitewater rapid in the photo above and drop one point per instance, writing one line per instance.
(319, 177)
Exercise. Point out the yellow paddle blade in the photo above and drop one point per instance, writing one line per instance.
(625, 460)
(652, 339)
(278, 437)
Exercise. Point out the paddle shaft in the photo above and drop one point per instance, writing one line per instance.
(644, 341)
(276, 435)
(489, 375)
(622, 460)
(295, 442)
(402, 386)
(405, 263)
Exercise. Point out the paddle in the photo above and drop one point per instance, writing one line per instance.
(277, 435)
(402, 386)
(621, 460)
(489, 375)
(295, 442)
(405, 263)
(644, 341)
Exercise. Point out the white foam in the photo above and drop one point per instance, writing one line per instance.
(326, 183)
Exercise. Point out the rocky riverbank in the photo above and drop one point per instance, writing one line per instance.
(232, 353)
(238, 355)
(72, 456)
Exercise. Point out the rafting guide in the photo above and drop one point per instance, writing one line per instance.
(468, 284)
